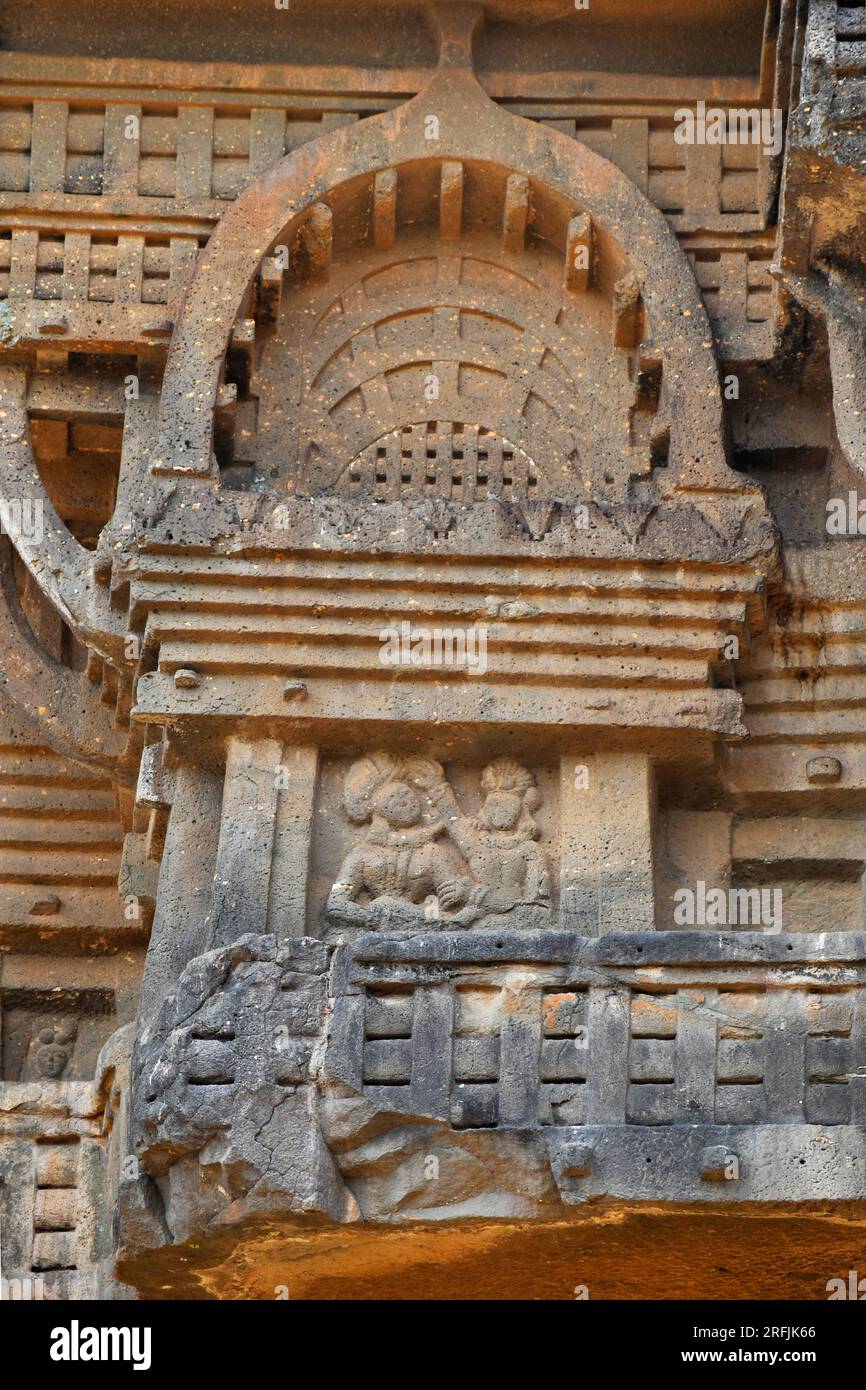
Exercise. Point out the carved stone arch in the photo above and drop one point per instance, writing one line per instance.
(485, 193)
(435, 351)
(490, 172)
(69, 706)
(60, 703)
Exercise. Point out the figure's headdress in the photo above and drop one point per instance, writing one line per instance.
(369, 774)
(506, 775)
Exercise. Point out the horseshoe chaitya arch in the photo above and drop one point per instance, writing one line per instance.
(330, 188)
(410, 365)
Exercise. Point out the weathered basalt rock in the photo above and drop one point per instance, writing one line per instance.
(433, 599)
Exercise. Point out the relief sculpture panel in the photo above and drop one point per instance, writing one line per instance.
(423, 861)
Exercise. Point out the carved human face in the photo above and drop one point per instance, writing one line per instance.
(399, 805)
(51, 1061)
(502, 810)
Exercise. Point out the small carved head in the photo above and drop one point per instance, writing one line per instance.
(511, 796)
(56, 1042)
(398, 804)
(383, 785)
(502, 810)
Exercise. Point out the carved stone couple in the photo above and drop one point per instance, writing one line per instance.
(423, 860)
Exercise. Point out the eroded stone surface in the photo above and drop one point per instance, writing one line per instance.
(432, 597)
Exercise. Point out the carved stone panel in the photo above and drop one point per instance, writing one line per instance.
(422, 846)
